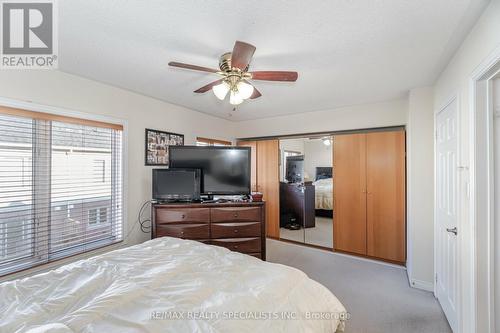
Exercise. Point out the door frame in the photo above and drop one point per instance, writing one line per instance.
(453, 98)
(481, 205)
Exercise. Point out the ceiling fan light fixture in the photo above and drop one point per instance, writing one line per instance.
(221, 90)
(234, 75)
(235, 98)
(245, 90)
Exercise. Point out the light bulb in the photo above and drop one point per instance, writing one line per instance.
(245, 89)
(326, 141)
(235, 98)
(220, 90)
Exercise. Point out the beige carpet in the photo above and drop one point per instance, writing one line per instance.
(321, 234)
(377, 296)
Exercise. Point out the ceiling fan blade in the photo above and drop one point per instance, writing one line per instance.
(208, 87)
(192, 67)
(256, 94)
(274, 76)
(242, 55)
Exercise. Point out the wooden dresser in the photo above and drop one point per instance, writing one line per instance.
(237, 226)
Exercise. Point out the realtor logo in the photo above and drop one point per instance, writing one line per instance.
(28, 34)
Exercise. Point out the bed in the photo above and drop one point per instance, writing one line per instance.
(323, 187)
(170, 285)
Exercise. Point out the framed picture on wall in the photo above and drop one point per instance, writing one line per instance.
(157, 143)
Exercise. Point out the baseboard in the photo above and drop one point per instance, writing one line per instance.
(423, 285)
(337, 253)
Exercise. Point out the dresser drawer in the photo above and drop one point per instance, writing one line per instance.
(236, 214)
(182, 215)
(184, 230)
(245, 245)
(238, 229)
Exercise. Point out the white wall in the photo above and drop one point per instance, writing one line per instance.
(420, 182)
(316, 154)
(390, 113)
(71, 92)
(455, 79)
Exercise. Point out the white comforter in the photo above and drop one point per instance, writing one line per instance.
(169, 285)
(323, 189)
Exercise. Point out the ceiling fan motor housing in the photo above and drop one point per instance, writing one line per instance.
(225, 62)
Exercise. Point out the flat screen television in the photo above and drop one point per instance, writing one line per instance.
(176, 184)
(224, 170)
(295, 169)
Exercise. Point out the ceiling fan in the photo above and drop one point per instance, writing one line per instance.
(233, 68)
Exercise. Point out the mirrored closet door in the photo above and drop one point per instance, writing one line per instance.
(306, 191)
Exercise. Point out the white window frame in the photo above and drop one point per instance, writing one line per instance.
(12, 103)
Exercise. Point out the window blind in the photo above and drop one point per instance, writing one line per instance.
(60, 189)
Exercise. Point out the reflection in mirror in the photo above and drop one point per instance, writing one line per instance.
(306, 191)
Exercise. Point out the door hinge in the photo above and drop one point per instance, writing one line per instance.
(436, 277)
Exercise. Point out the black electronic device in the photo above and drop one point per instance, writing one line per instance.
(179, 184)
(295, 169)
(224, 170)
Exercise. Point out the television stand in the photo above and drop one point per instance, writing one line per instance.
(238, 226)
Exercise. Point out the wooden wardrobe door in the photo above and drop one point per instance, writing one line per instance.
(268, 183)
(386, 199)
(253, 164)
(349, 186)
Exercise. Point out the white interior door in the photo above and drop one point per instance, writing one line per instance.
(446, 211)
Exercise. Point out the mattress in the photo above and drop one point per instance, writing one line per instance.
(170, 285)
(324, 193)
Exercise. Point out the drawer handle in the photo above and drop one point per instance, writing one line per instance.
(182, 232)
(235, 214)
(236, 246)
(235, 231)
(183, 216)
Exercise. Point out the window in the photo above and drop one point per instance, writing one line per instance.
(98, 216)
(211, 142)
(60, 187)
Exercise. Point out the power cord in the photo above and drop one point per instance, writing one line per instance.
(146, 222)
(145, 228)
